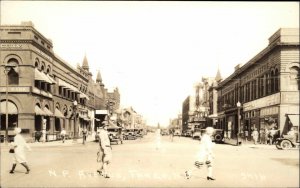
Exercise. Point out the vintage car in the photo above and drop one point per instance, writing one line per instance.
(139, 133)
(289, 140)
(164, 132)
(197, 134)
(217, 135)
(115, 134)
(177, 132)
(129, 134)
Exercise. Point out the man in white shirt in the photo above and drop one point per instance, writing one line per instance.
(104, 153)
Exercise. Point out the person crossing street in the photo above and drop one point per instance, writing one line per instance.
(104, 154)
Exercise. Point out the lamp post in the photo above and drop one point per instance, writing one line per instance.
(75, 120)
(238, 104)
(7, 69)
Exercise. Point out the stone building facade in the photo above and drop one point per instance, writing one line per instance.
(267, 87)
(42, 88)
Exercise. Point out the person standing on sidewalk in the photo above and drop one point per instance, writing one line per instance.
(255, 135)
(104, 153)
(19, 156)
(63, 135)
(84, 135)
(205, 154)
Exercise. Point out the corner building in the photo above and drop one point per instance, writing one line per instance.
(42, 88)
(267, 87)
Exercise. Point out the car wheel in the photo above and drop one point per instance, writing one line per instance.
(278, 146)
(285, 144)
(218, 138)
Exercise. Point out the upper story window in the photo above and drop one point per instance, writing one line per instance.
(12, 71)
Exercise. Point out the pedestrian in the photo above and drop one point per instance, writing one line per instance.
(255, 135)
(171, 134)
(262, 136)
(272, 135)
(267, 136)
(84, 135)
(205, 154)
(17, 149)
(246, 135)
(63, 135)
(104, 154)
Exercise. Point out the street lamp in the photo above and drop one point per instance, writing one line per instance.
(238, 104)
(7, 69)
(75, 112)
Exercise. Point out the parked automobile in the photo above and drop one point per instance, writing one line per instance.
(115, 134)
(129, 134)
(138, 133)
(188, 133)
(217, 135)
(197, 134)
(289, 140)
(164, 132)
(177, 132)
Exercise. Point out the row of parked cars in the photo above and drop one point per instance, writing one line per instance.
(196, 134)
(118, 134)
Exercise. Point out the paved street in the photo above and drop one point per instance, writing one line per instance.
(152, 161)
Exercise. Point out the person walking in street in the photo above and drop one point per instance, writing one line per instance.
(255, 135)
(84, 135)
(18, 147)
(171, 134)
(104, 153)
(205, 155)
(63, 135)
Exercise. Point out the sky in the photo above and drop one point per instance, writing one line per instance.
(153, 51)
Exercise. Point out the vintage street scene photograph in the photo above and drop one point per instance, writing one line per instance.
(149, 94)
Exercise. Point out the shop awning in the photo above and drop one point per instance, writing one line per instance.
(82, 95)
(51, 79)
(58, 114)
(67, 85)
(41, 76)
(48, 112)
(12, 109)
(84, 117)
(39, 111)
(294, 119)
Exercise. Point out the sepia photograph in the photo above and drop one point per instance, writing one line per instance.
(149, 94)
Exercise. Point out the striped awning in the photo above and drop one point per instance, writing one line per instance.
(67, 85)
(39, 111)
(41, 76)
(82, 95)
(47, 111)
(58, 114)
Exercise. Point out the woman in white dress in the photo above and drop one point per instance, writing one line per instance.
(205, 154)
(19, 146)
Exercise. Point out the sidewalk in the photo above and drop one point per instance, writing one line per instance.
(249, 144)
(53, 143)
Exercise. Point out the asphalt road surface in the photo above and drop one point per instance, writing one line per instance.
(153, 161)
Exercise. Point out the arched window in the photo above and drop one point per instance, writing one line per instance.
(276, 75)
(13, 75)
